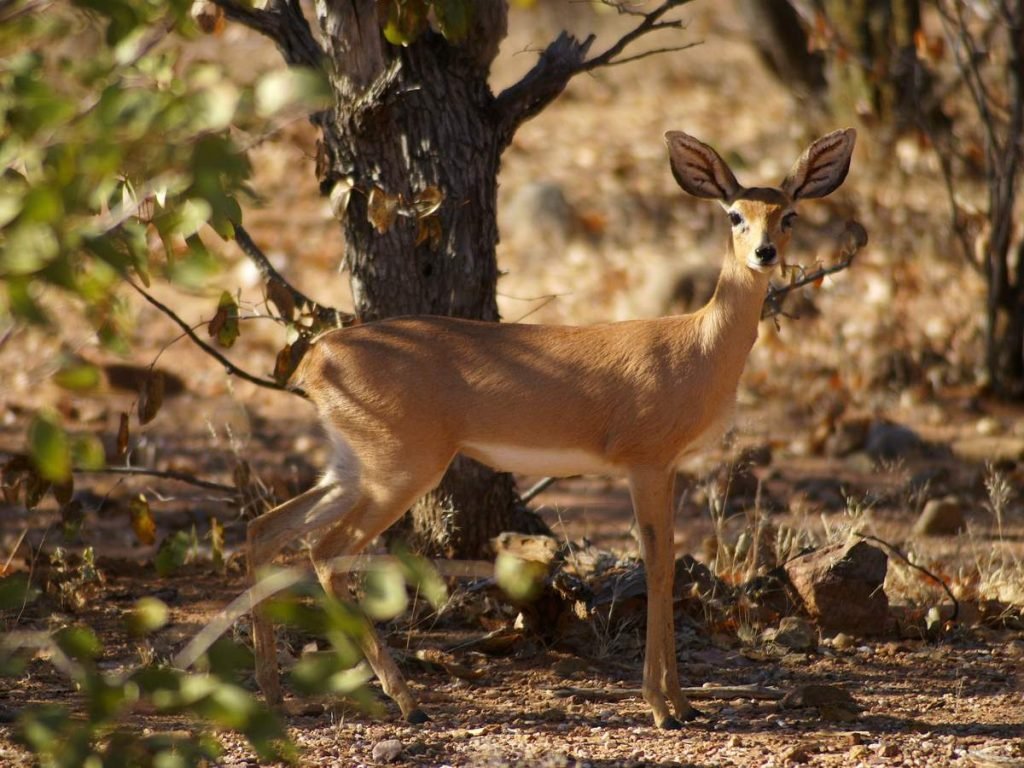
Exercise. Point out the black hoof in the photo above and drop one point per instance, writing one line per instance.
(417, 717)
(670, 724)
(693, 714)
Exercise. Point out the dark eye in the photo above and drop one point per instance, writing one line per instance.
(788, 219)
(735, 219)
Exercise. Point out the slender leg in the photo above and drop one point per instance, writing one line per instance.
(265, 536)
(652, 502)
(367, 520)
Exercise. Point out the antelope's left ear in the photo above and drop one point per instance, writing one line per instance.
(822, 167)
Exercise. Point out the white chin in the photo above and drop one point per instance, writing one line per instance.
(760, 266)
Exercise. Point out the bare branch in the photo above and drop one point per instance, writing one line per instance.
(855, 238)
(283, 22)
(566, 57)
(231, 368)
(323, 315)
(181, 477)
(650, 23)
(652, 52)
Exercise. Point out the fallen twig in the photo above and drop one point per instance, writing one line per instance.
(896, 551)
(181, 477)
(715, 692)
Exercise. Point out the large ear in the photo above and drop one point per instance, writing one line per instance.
(699, 169)
(822, 167)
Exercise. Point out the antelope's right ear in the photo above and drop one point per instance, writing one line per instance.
(700, 170)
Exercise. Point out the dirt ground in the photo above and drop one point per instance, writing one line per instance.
(859, 414)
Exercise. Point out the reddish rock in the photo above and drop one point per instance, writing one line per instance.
(841, 587)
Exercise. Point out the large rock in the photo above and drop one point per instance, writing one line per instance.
(841, 587)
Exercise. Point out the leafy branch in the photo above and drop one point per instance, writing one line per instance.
(229, 367)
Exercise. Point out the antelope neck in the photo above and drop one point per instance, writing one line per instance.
(729, 321)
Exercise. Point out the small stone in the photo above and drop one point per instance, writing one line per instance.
(387, 751)
(795, 633)
(889, 750)
(941, 517)
(843, 642)
(796, 754)
(859, 752)
(988, 425)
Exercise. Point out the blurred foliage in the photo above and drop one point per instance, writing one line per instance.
(115, 153)
(97, 729)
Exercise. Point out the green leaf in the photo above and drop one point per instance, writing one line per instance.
(49, 448)
(28, 247)
(77, 375)
(454, 18)
(226, 659)
(16, 591)
(22, 302)
(422, 576)
(42, 204)
(80, 643)
(522, 580)
(224, 325)
(295, 88)
(173, 553)
(41, 728)
(87, 452)
(406, 20)
(190, 216)
(147, 616)
(325, 672)
(384, 593)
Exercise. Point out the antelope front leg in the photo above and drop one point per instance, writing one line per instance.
(652, 502)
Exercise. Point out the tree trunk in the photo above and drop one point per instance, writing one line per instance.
(426, 124)
(782, 43)
(880, 75)
(873, 69)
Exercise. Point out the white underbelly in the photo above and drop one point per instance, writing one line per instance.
(533, 460)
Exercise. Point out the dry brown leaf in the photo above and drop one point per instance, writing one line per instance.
(151, 397)
(381, 209)
(427, 202)
(282, 299)
(142, 520)
(123, 436)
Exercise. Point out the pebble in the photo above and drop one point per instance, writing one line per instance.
(387, 751)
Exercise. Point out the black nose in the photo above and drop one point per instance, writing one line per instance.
(765, 253)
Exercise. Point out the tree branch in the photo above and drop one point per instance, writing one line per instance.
(284, 23)
(566, 57)
(854, 236)
(324, 316)
(164, 474)
(231, 368)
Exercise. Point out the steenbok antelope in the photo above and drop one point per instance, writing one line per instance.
(401, 397)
